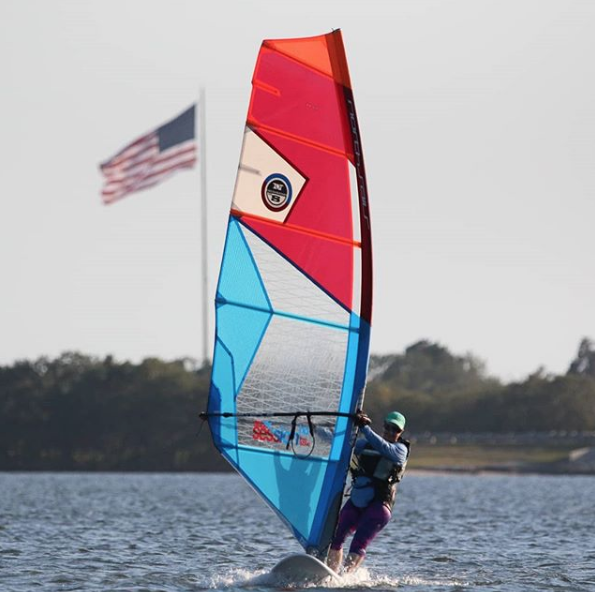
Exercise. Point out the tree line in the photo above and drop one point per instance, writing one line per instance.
(80, 412)
(441, 392)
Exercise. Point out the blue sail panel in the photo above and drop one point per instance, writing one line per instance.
(300, 363)
(239, 279)
(291, 486)
(240, 330)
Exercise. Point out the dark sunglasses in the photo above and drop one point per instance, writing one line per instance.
(391, 427)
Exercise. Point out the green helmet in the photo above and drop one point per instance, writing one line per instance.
(396, 418)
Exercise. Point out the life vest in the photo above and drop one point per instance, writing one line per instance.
(383, 473)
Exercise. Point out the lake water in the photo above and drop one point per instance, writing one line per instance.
(174, 532)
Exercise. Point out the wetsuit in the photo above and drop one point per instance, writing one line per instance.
(369, 507)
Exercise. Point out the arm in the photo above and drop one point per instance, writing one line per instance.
(396, 452)
(360, 444)
(324, 433)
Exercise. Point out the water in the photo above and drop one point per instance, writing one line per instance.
(164, 532)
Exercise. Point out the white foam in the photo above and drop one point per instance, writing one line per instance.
(233, 578)
(381, 581)
(362, 578)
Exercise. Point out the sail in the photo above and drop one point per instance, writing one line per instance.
(294, 297)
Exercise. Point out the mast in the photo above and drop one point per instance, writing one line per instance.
(203, 216)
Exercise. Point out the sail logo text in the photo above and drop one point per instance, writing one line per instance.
(265, 431)
(276, 192)
(359, 160)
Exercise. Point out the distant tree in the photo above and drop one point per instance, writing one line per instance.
(584, 363)
(539, 404)
(79, 412)
(431, 368)
(439, 391)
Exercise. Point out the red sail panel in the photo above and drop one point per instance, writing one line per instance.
(310, 51)
(299, 102)
(302, 110)
(329, 263)
(324, 204)
(298, 108)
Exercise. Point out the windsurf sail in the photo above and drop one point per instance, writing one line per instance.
(294, 297)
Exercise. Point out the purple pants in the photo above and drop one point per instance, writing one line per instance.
(365, 522)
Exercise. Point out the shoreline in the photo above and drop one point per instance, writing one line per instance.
(513, 471)
(429, 470)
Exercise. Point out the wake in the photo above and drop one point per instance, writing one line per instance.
(360, 580)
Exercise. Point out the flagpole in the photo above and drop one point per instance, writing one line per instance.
(203, 195)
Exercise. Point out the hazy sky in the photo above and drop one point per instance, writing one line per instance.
(478, 126)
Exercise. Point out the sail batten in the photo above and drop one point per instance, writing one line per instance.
(293, 303)
(256, 125)
(289, 315)
(339, 239)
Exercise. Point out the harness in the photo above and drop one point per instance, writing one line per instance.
(382, 472)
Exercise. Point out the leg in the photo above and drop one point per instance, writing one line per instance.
(353, 561)
(334, 559)
(348, 520)
(372, 521)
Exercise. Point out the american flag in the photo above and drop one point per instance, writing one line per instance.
(151, 158)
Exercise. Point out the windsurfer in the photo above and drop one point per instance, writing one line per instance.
(377, 466)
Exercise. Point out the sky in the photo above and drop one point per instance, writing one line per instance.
(477, 120)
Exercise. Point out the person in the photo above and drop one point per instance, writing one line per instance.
(378, 464)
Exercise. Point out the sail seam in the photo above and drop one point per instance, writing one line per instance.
(289, 315)
(331, 237)
(251, 122)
